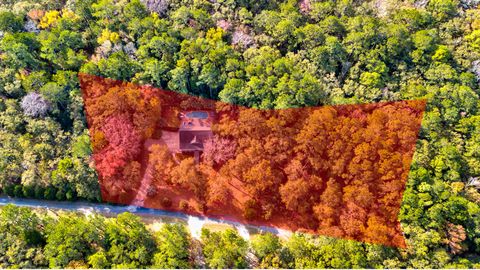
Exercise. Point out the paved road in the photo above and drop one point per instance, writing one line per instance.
(103, 208)
(82, 206)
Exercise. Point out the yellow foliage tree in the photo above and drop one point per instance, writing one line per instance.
(49, 19)
(108, 35)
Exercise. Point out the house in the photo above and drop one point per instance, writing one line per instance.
(195, 128)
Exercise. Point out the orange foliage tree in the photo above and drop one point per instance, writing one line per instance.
(337, 170)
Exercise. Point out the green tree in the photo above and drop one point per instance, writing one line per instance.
(20, 50)
(99, 260)
(270, 251)
(272, 81)
(63, 48)
(173, 247)
(118, 66)
(129, 242)
(22, 238)
(72, 239)
(10, 159)
(9, 22)
(443, 9)
(202, 65)
(224, 249)
(303, 251)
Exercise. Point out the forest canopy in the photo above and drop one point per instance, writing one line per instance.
(260, 54)
(332, 170)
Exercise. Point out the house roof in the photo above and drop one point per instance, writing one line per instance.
(195, 128)
(192, 140)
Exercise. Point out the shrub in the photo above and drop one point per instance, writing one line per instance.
(9, 190)
(60, 195)
(250, 211)
(202, 208)
(39, 192)
(166, 202)
(183, 205)
(28, 191)
(18, 191)
(50, 193)
(71, 195)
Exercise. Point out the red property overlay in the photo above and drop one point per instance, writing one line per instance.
(337, 171)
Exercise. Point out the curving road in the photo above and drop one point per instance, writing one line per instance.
(194, 222)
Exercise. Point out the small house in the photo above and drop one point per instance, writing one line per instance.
(195, 128)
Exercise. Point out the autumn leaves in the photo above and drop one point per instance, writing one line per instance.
(337, 171)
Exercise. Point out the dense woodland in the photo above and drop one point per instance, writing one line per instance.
(335, 170)
(261, 54)
(66, 240)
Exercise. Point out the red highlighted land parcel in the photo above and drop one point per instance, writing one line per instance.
(336, 170)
